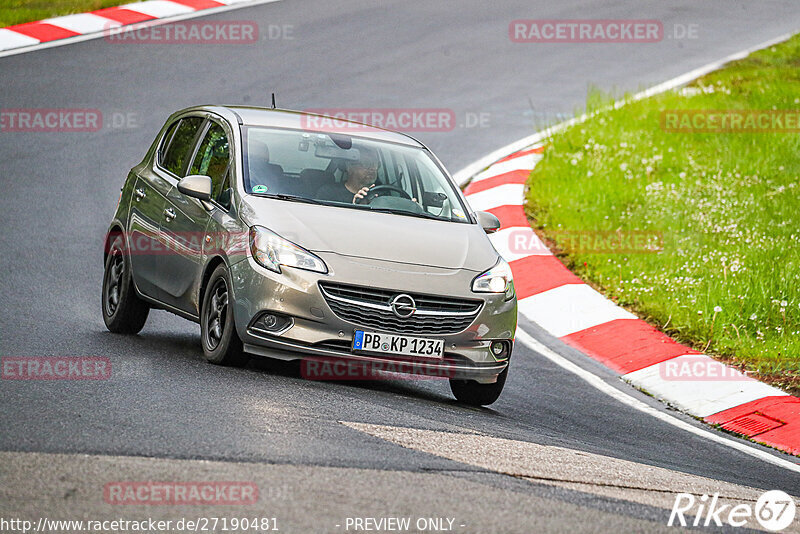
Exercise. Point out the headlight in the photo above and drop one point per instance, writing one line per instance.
(498, 279)
(271, 251)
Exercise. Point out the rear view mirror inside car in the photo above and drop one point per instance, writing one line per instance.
(434, 199)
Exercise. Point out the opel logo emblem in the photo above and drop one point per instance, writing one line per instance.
(403, 306)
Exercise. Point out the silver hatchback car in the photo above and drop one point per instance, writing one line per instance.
(297, 236)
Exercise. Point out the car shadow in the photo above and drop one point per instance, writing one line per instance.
(168, 347)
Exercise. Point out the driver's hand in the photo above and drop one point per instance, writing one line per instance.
(362, 193)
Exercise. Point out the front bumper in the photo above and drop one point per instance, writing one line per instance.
(318, 332)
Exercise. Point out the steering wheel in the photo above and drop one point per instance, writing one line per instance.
(381, 191)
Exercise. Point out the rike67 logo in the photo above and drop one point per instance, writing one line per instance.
(774, 511)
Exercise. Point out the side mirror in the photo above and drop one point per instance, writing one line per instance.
(488, 222)
(196, 186)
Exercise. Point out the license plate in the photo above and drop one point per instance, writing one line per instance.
(400, 345)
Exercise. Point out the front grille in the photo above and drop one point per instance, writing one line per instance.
(370, 307)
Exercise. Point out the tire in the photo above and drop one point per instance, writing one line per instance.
(477, 394)
(221, 343)
(123, 311)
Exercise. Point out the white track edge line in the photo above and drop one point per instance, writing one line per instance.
(129, 27)
(595, 381)
(599, 384)
(462, 176)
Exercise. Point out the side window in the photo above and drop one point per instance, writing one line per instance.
(434, 197)
(165, 142)
(213, 157)
(180, 147)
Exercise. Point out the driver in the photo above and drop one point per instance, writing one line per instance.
(360, 177)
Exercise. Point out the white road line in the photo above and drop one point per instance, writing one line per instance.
(570, 308)
(235, 4)
(680, 382)
(539, 310)
(599, 384)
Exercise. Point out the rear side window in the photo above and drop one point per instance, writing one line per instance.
(165, 142)
(213, 157)
(180, 147)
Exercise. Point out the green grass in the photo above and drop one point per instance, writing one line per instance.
(19, 11)
(726, 204)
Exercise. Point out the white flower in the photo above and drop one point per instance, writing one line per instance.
(717, 309)
(623, 166)
(784, 304)
(682, 175)
(753, 317)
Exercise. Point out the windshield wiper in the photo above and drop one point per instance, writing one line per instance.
(421, 215)
(290, 198)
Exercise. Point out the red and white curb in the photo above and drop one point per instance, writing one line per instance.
(30, 34)
(559, 302)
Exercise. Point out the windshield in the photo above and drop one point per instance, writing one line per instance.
(348, 171)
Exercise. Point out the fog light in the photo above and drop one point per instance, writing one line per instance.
(500, 349)
(270, 323)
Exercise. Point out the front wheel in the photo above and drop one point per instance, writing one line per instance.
(221, 343)
(123, 311)
(477, 394)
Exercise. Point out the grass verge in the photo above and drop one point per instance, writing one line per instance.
(19, 11)
(723, 206)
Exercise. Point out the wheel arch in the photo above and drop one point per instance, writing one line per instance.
(113, 231)
(211, 265)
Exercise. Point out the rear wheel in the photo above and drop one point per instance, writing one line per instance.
(221, 343)
(477, 394)
(123, 311)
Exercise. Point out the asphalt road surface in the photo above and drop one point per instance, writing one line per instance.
(323, 452)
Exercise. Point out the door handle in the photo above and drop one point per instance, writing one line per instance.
(169, 214)
(139, 193)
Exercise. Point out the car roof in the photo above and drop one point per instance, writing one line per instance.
(300, 120)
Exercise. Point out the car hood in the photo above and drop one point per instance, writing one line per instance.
(373, 235)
